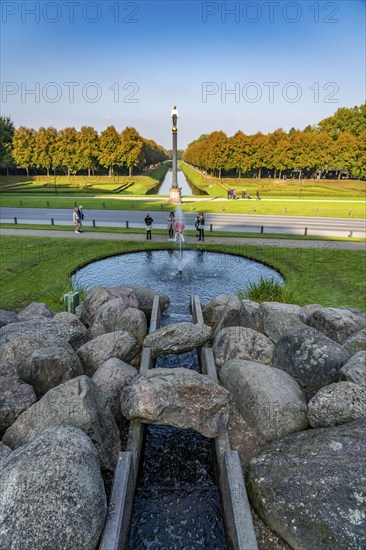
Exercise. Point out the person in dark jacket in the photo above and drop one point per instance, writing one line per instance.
(201, 227)
(148, 225)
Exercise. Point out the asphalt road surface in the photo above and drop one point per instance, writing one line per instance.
(295, 225)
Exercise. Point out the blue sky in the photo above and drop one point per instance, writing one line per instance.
(126, 63)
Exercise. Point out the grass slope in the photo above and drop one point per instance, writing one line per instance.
(30, 266)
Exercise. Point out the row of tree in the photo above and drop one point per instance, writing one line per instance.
(336, 144)
(49, 149)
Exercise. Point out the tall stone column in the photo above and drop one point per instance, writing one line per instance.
(174, 192)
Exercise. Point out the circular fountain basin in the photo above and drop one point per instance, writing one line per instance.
(193, 272)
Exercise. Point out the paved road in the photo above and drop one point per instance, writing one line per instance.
(221, 222)
(234, 241)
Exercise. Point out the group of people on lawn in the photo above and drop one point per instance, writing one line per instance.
(176, 227)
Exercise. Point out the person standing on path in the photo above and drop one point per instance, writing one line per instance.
(76, 219)
(171, 224)
(197, 225)
(148, 225)
(81, 218)
(201, 227)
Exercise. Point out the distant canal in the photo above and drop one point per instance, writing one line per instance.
(187, 187)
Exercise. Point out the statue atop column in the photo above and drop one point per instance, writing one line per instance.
(174, 116)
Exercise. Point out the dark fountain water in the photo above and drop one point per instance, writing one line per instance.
(177, 504)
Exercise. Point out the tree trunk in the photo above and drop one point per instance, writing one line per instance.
(280, 174)
(300, 174)
(239, 174)
(339, 175)
(130, 171)
(48, 172)
(220, 173)
(259, 173)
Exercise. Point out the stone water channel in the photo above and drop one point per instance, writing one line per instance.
(188, 189)
(177, 501)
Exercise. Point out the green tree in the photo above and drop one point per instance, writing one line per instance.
(131, 149)
(87, 148)
(240, 157)
(66, 150)
(6, 138)
(352, 120)
(45, 148)
(259, 152)
(217, 152)
(23, 147)
(359, 168)
(109, 153)
(344, 155)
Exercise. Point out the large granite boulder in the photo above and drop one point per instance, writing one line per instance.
(270, 400)
(132, 295)
(250, 314)
(310, 309)
(120, 344)
(355, 369)
(242, 343)
(52, 493)
(116, 315)
(310, 487)
(71, 319)
(356, 342)
(42, 362)
(277, 319)
(337, 404)
(179, 397)
(213, 310)
(232, 314)
(78, 403)
(338, 324)
(310, 357)
(177, 338)
(144, 297)
(48, 330)
(94, 299)
(15, 396)
(7, 317)
(4, 452)
(35, 310)
(111, 377)
(52, 366)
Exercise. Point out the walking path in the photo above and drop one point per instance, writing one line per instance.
(138, 237)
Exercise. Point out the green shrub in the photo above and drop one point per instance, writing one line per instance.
(269, 290)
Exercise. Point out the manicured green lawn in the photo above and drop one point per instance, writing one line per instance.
(291, 207)
(31, 266)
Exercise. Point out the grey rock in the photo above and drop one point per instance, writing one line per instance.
(111, 377)
(53, 366)
(355, 369)
(250, 314)
(177, 338)
(213, 310)
(120, 344)
(178, 397)
(242, 343)
(15, 396)
(35, 310)
(337, 404)
(310, 487)
(7, 317)
(279, 319)
(310, 309)
(337, 323)
(4, 452)
(52, 494)
(116, 315)
(232, 315)
(270, 400)
(70, 318)
(78, 403)
(310, 357)
(48, 330)
(144, 297)
(95, 297)
(356, 342)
